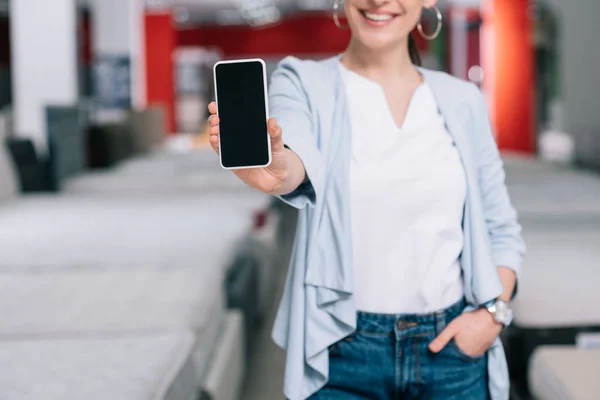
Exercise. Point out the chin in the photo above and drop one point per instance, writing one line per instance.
(378, 41)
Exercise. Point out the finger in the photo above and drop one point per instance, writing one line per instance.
(443, 338)
(212, 108)
(214, 142)
(276, 135)
(214, 120)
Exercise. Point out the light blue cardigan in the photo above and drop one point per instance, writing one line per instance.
(308, 100)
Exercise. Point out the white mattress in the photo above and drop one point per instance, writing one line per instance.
(145, 367)
(565, 373)
(127, 265)
(125, 231)
(82, 300)
(225, 377)
(559, 282)
(521, 167)
(197, 172)
(115, 182)
(538, 188)
(168, 163)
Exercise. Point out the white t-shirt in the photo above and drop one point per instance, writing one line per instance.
(408, 192)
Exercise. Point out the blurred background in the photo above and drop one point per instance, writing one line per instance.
(133, 267)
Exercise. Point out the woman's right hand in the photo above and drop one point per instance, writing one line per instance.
(272, 179)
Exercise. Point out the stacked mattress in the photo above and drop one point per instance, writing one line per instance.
(145, 367)
(98, 272)
(83, 266)
(560, 214)
(559, 285)
(160, 365)
(161, 230)
(565, 373)
(547, 191)
(122, 286)
(191, 174)
(163, 171)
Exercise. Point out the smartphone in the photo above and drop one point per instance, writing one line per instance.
(242, 106)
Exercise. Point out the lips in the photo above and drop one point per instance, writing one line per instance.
(377, 16)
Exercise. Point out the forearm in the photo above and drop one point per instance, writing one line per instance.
(295, 173)
(509, 281)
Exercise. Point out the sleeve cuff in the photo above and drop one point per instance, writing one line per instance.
(511, 261)
(309, 191)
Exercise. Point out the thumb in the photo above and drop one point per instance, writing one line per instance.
(276, 135)
(443, 338)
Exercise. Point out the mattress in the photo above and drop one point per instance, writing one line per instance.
(196, 172)
(537, 188)
(558, 292)
(160, 231)
(56, 305)
(118, 182)
(140, 367)
(524, 167)
(225, 376)
(261, 246)
(559, 284)
(114, 266)
(164, 169)
(565, 373)
(168, 163)
(55, 301)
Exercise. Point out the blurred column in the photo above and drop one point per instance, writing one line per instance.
(458, 41)
(44, 62)
(160, 37)
(194, 87)
(508, 63)
(118, 60)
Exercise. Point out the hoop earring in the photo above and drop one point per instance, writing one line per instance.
(336, 16)
(438, 28)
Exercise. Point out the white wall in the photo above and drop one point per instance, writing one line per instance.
(118, 30)
(110, 33)
(44, 62)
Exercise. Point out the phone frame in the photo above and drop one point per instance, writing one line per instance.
(264, 69)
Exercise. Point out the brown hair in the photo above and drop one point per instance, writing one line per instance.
(413, 50)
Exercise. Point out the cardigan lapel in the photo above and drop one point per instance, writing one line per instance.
(452, 112)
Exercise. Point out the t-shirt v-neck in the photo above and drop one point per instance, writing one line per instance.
(375, 92)
(372, 105)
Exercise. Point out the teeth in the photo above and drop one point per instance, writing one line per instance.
(378, 17)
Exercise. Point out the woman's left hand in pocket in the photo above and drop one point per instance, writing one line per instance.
(473, 332)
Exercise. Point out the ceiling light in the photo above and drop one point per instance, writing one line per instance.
(258, 12)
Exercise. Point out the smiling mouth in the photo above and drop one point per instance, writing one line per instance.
(378, 17)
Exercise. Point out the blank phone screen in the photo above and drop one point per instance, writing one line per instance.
(240, 89)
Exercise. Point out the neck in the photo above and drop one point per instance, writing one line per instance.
(381, 64)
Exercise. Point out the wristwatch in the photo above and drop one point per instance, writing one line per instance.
(500, 311)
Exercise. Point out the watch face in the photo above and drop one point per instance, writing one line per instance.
(500, 313)
(503, 313)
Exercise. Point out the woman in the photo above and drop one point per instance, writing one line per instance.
(407, 247)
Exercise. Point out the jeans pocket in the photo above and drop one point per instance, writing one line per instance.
(335, 350)
(453, 347)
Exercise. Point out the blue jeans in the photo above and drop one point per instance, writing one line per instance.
(388, 358)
